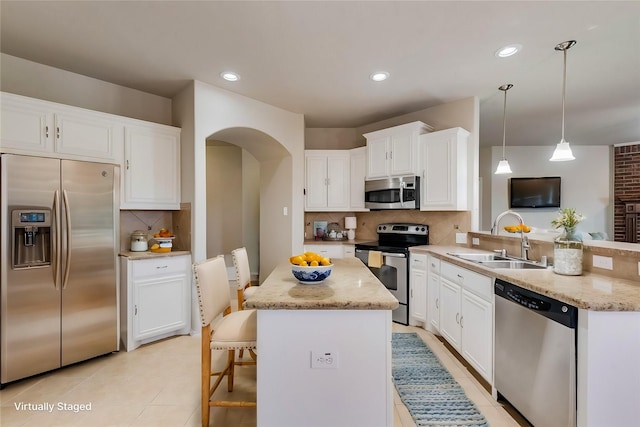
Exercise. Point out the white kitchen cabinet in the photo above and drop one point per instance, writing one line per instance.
(393, 151)
(466, 315)
(433, 294)
(327, 180)
(348, 251)
(155, 298)
(327, 250)
(450, 294)
(36, 127)
(476, 326)
(443, 160)
(151, 176)
(357, 173)
(418, 289)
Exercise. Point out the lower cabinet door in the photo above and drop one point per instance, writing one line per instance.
(477, 333)
(160, 306)
(450, 312)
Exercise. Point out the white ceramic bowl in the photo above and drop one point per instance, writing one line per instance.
(311, 275)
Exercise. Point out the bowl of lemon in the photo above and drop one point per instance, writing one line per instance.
(310, 268)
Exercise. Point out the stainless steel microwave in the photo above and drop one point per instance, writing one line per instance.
(400, 192)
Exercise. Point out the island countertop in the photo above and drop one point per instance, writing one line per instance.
(351, 286)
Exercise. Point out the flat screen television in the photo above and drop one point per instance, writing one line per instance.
(534, 192)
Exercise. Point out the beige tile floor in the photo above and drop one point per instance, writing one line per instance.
(159, 385)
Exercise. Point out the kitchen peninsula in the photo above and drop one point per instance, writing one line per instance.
(348, 316)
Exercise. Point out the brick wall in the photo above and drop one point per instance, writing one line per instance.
(626, 184)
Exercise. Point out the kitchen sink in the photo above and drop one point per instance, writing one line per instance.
(498, 261)
(512, 264)
(474, 257)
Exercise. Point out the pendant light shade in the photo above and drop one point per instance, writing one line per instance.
(503, 166)
(563, 152)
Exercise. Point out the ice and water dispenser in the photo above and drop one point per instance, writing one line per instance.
(31, 238)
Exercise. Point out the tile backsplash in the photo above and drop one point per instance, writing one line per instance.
(443, 225)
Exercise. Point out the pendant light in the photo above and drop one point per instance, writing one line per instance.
(563, 152)
(503, 166)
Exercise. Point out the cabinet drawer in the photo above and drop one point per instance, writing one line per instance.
(418, 262)
(327, 250)
(162, 266)
(349, 251)
(433, 264)
(475, 283)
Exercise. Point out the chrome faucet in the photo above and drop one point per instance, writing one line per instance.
(524, 240)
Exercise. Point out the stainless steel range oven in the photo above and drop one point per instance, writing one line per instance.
(394, 241)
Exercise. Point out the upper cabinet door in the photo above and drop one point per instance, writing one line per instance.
(392, 151)
(87, 134)
(151, 167)
(358, 173)
(443, 156)
(327, 180)
(315, 182)
(377, 157)
(401, 154)
(27, 125)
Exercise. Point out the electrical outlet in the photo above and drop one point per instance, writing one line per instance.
(461, 237)
(475, 241)
(324, 359)
(604, 262)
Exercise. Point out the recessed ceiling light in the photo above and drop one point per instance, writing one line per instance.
(506, 51)
(379, 76)
(230, 76)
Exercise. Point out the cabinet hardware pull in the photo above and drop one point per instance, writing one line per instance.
(57, 132)
(46, 131)
(437, 302)
(127, 164)
(161, 266)
(136, 311)
(461, 323)
(411, 293)
(458, 318)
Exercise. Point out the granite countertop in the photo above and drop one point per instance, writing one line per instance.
(589, 291)
(149, 254)
(351, 286)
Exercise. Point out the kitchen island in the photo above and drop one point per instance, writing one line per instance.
(324, 351)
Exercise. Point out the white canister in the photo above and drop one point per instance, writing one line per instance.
(139, 241)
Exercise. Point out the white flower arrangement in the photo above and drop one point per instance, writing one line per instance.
(567, 218)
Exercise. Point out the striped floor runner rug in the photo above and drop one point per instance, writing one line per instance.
(427, 389)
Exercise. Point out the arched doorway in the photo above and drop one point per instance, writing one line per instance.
(240, 166)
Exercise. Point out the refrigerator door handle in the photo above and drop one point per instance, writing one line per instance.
(67, 215)
(56, 239)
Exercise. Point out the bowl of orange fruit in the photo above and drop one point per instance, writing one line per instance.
(163, 240)
(310, 268)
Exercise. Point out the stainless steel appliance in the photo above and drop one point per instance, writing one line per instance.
(401, 192)
(535, 355)
(393, 242)
(57, 263)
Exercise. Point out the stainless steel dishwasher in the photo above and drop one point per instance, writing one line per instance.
(535, 355)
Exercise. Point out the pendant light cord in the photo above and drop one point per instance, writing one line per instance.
(564, 88)
(504, 124)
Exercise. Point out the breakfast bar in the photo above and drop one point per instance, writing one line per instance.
(324, 350)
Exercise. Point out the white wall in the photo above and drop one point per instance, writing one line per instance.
(211, 110)
(585, 184)
(29, 78)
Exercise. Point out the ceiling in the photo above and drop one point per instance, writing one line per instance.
(315, 58)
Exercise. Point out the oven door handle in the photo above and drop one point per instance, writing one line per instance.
(389, 254)
(392, 255)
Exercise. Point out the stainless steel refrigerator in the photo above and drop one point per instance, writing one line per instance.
(58, 252)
